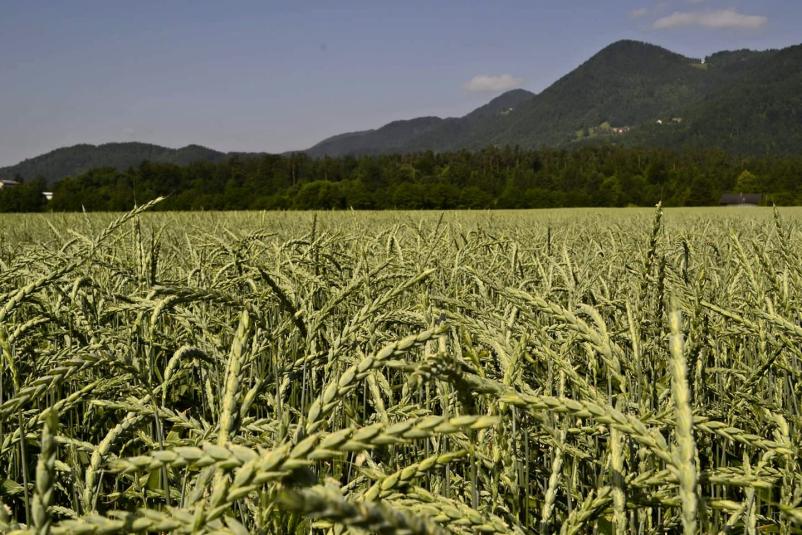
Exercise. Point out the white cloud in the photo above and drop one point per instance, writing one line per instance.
(723, 18)
(484, 83)
(640, 12)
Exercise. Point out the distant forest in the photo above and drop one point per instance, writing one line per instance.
(490, 178)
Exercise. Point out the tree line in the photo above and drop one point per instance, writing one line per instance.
(490, 178)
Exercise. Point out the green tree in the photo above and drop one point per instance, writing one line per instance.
(747, 182)
(26, 197)
(611, 193)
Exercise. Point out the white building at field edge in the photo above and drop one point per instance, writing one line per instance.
(4, 183)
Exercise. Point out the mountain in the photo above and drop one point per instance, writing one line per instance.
(427, 132)
(741, 101)
(70, 161)
(758, 112)
(392, 137)
(629, 94)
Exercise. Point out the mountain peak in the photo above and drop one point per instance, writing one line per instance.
(504, 103)
(513, 96)
(636, 55)
(618, 96)
(628, 93)
(77, 159)
(631, 44)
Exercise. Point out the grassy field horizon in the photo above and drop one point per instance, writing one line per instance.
(756, 212)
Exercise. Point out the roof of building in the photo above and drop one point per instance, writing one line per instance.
(741, 198)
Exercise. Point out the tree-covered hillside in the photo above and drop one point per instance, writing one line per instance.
(78, 159)
(429, 133)
(757, 109)
(743, 101)
(629, 94)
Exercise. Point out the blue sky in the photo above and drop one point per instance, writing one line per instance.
(275, 76)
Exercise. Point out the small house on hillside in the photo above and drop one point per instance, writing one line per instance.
(8, 183)
(740, 199)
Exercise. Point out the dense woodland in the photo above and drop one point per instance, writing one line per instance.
(491, 178)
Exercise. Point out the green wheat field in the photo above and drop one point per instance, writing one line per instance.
(569, 371)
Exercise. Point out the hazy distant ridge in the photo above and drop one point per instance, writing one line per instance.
(70, 161)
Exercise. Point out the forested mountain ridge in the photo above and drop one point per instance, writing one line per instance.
(629, 94)
(429, 133)
(392, 137)
(78, 159)
(619, 95)
(757, 110)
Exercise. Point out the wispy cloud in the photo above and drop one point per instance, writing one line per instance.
(722, 18)
(638, 13)
(484, 83)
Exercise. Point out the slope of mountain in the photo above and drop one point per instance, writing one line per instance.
(629, 93)
(426, 132)
(618, 96)
(625, 84)
(759, 111)
(392, 137)
(68, 161)
(478, 127)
